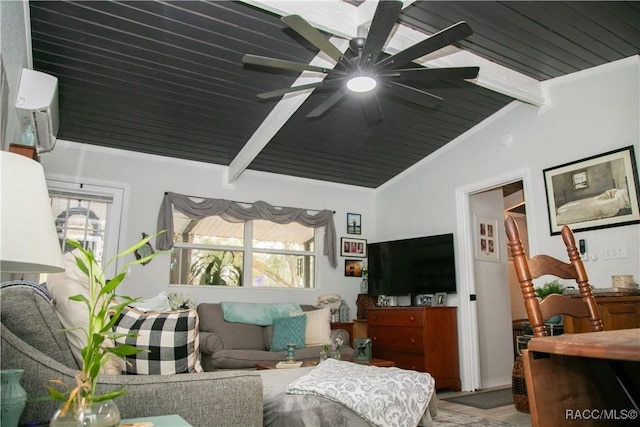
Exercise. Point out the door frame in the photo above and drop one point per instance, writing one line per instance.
(468, 324)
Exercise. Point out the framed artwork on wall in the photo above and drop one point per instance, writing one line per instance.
(596, 192)
(353, 267)
(353, 247)
(354, 223)
(487, 242)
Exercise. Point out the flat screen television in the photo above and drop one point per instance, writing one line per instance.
(420, 265)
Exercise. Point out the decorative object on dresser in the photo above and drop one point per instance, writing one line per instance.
(362, 347)
(439, 299)
(364, 302)
(419, 338)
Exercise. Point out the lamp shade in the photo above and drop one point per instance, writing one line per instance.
(29, 243)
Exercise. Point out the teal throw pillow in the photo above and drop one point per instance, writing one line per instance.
(288, 330)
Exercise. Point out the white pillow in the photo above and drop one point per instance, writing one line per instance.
(158, 303)
(74, 314)
(318, 329)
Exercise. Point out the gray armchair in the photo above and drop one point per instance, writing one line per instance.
(32, 340)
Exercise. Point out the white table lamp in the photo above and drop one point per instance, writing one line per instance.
(29, 242)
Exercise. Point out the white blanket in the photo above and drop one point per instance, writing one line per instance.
(382, 396)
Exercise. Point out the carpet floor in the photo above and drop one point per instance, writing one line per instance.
(485, 400)
(447, 418)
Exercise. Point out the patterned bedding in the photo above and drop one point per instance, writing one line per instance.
(284, 409)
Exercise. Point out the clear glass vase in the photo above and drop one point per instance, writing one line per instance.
(324, 354)
(97, 414)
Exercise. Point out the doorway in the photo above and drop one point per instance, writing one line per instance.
(488, 356)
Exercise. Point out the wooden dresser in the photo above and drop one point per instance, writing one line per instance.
(617, 312)
(419, 338)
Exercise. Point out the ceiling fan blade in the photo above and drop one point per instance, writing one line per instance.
(372, 110)
(385, 17)
(443, 38)
(414, 95)
(281, 64)
(434, 74)
(328, 103)
(313, 36)
(279, 92)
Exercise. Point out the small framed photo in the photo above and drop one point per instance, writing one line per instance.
(353, 247)
(353, 267)
(486, 236)
(596, 192)
(439, 299)
(354, 223)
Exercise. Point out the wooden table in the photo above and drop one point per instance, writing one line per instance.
(581, 379)
(313, 362)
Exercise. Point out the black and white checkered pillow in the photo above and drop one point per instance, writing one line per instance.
(171, 338)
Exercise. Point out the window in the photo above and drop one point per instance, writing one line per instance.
(258, 253)
(580, 180)
(88, 214)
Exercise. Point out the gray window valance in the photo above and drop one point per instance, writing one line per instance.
(238, 212)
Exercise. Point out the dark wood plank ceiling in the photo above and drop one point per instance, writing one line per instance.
(166, 78)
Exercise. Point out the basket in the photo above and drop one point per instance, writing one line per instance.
(519, 386)
(364, 302)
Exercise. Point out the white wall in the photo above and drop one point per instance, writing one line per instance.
(146, 179)
(593, 112)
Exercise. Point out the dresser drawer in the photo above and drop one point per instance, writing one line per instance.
(391, 317)
(403, 360)
(392, 338)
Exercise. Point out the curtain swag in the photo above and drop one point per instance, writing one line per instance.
(238, 212)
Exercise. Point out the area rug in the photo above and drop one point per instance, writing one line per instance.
(486, 399)
(450, 419)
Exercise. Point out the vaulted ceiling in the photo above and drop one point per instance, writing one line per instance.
(167, 78)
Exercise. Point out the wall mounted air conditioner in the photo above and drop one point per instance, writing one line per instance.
(37, 105)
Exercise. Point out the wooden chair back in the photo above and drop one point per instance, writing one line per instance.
(528, 269)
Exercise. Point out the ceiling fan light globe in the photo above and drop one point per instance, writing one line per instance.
(361, 84)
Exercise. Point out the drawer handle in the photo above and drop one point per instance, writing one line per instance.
(413, 340)
(374, 317)
(412, 318)
(374, 338)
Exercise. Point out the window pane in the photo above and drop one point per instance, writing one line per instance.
(292, 236)
(211, 230)
(80, 220)
(283, 271)
(204, 267)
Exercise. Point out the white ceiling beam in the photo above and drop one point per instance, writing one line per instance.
(343, 19)
(492, 76)
(280, 114)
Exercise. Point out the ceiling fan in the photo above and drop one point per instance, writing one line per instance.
(362, 72)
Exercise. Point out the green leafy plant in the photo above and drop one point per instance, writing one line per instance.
(549, 288)
(104, 309)
(212, 269)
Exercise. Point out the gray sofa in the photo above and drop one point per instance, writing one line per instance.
(32, 340)
(228, 345)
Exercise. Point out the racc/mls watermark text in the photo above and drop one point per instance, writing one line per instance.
(601, 414)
